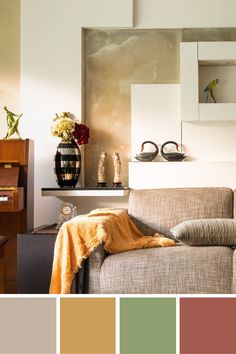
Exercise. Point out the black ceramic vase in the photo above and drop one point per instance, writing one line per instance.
(67, 164)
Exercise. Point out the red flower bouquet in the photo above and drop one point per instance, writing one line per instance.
(81, 133)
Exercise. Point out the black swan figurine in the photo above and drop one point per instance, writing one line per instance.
(147, 156)
(172, 156)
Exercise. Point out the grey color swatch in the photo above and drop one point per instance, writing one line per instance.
(27, 326)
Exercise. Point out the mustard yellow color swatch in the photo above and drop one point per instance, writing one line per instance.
(87, 325)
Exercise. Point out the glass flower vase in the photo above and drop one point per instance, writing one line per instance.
(67, 164)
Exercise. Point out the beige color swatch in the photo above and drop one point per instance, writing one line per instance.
(27, 326)
(88, 326)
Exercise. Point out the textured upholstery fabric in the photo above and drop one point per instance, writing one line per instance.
(157, 210)
(234, 273)
(206, 232)
(95, 262)
(234, 211)
(180, 269)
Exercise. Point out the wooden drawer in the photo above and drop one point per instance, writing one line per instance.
(12, 200)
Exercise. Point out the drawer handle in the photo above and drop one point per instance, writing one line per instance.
(4, 198)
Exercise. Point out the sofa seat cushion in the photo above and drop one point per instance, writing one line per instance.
(173, 270)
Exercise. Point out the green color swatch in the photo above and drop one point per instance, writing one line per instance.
(147, 325)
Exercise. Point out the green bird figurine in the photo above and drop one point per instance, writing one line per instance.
(12, 123)
(209, 89)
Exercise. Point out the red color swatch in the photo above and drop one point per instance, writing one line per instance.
(207, 325)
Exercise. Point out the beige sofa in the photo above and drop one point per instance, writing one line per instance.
(180, 269)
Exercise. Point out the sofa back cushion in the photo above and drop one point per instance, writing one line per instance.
(158, 210)
(234, 204)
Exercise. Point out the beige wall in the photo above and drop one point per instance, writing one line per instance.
(9, 58)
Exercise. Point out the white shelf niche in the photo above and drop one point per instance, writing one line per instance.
(201, 63)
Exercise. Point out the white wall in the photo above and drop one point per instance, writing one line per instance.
(51, 61)
(155, 115)
(184, 13)
(51, 51)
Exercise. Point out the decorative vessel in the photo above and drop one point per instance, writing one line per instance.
(172, 156)
(67, 164)
(147, 156)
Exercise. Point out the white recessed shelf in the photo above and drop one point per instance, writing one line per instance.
(202, 62)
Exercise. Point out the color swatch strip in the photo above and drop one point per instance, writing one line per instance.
(135, 325)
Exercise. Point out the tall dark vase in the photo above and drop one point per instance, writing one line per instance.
(67, 164)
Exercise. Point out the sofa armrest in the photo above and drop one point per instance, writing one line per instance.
(95, 263)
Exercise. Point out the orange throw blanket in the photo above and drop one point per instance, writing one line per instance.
(78, 237)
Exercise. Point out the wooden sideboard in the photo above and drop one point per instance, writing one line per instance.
(14, 222)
